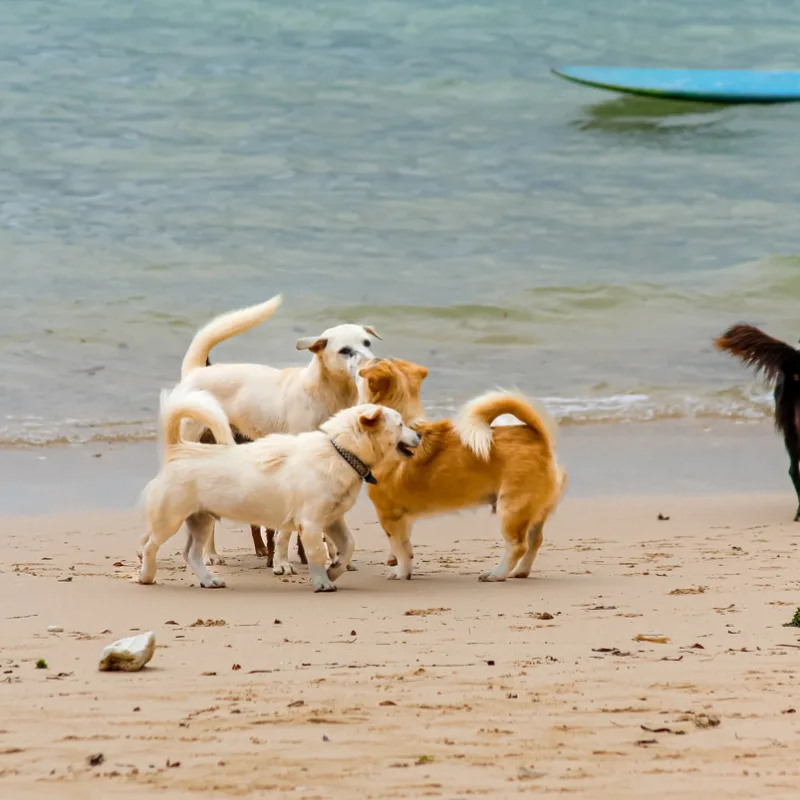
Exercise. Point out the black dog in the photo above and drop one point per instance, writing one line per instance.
(778, 362)
(263, 551)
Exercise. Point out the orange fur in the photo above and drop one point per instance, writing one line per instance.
(456, 467)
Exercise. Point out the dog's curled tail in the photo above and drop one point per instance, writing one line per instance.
(753, 346)
(201, 406)
(224, 327)
(474, 423)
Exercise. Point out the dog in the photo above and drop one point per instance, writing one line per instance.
(259, 400)
(464, 464)
(262, 549)
(779, 363)
(304, 482)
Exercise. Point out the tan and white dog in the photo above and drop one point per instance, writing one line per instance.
(464, 464)
(260, 400)
(306, 482)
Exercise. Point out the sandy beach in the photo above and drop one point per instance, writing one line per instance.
(438, 687)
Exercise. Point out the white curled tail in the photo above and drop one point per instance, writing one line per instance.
(201, 406)
(474, 422)
(224, 327)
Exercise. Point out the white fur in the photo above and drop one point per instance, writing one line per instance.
(224, 327)
(280, 481)
(476, 434)
(260, 400)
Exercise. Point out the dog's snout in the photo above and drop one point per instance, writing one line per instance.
(411, 437)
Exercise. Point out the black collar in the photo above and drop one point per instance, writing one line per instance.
(364, 472)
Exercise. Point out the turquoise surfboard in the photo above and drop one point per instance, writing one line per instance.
(702, 85)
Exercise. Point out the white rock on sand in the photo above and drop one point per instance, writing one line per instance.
(130, 654)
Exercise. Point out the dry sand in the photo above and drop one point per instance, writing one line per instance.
(437, 687)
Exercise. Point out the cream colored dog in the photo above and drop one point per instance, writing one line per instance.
(305, 482)
(260, 400)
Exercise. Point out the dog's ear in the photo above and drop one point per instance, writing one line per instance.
(421, 372)
(378, 384)
(316, 344)
(377, 377)
(372, 332)
(370, 420)
(370, 366)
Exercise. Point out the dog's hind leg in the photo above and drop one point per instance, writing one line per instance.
(535, 539)
(515, 532)
(198, 528)
(160, 527)
(793, 449)
(345, 544)
(301, 553)
(211, 556)
(270, 546)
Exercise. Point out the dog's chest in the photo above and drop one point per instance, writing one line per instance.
(341, 501)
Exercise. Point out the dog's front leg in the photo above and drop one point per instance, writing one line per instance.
(258, 543)
(317, 556)
(345, 545)
(399, 533)
(282, 565)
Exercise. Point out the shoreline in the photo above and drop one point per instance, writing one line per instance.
(657, 458)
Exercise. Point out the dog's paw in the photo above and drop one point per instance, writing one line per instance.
(396, 575)
(351, 567)
(490, 577)
(213, 583)
(323, 585)
(144, 580)
(523, 573)
(283, 569)
(262, 552)
(213, 560)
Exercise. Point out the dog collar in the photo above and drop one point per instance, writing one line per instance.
(364, 472)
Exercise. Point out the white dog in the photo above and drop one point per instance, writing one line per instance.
(305, 482)
(259, 400)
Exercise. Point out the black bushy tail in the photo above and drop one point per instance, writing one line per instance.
(769, 356)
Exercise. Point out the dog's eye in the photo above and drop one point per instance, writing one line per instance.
(346, 351)
(367, 343)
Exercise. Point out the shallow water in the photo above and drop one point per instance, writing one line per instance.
(410, 165)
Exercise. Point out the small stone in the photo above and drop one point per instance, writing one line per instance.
(129, 654)
(55, 629)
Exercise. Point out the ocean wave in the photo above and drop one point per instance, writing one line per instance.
(766, 285)
(737, 404)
